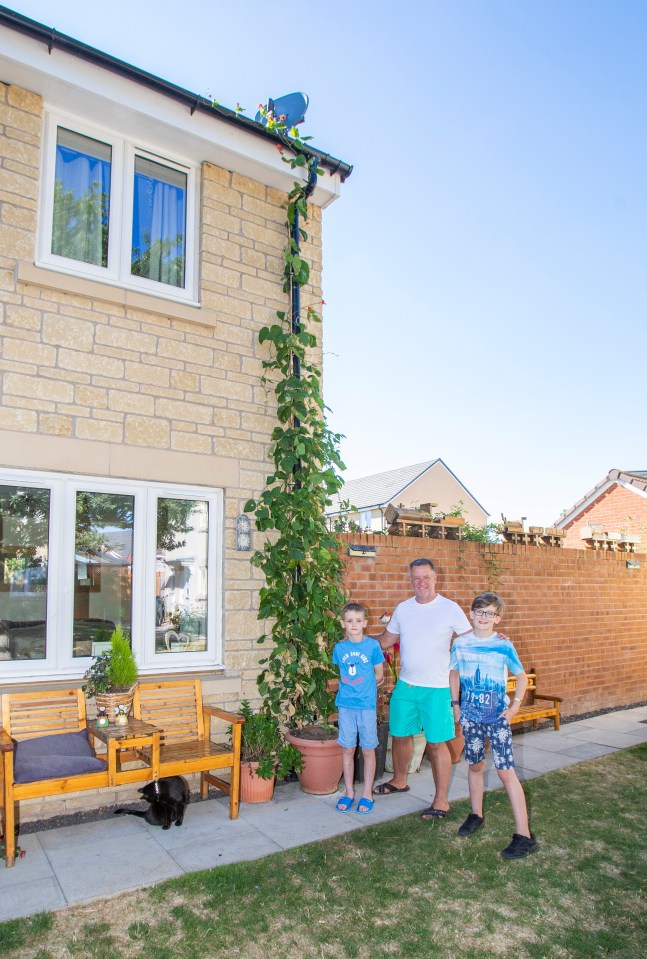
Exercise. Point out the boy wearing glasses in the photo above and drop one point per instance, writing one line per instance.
(479, 665)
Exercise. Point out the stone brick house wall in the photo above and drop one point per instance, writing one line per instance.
(101, 379)
(576, 617)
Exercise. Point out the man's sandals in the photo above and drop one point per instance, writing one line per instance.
(385, 789)
(433, 813)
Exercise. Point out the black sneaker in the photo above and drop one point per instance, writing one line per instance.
(471, 824)
(520, 847)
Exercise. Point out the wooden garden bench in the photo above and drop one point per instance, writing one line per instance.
(176, 708)
(535, 705)
(27, 716)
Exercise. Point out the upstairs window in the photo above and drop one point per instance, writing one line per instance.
(118, 212)
(159, 223)
(81, 215)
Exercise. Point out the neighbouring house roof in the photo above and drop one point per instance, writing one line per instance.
(195, 102)
(373, 492)
(635, 480)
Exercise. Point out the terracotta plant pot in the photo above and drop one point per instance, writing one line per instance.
(252, 787)
(322, 764)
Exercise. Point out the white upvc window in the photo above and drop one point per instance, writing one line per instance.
(80, 555)
(116, 211)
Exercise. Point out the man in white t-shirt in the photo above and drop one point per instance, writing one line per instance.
(424, 625)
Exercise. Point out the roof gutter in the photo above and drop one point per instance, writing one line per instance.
(194, 101)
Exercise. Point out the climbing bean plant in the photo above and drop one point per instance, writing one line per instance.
(302, 595)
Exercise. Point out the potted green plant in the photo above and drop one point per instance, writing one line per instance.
(111, 678)
(302, 595)
(264, 755)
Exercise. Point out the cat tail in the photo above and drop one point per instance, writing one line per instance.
(130, 812)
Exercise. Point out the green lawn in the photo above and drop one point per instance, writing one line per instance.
(405, 888)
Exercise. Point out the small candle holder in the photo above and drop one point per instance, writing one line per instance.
(121, 715)
(102, 717)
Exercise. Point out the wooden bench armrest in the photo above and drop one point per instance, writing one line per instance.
(6, 742)
(554, 699)
(232, 718)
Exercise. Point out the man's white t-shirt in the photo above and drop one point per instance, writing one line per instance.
(426, 631)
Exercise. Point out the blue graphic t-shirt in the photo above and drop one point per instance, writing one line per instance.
(357, 662)
(483, 666)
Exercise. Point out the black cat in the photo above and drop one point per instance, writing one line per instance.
(168, 800)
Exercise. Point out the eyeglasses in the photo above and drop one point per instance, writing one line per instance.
(482, 614)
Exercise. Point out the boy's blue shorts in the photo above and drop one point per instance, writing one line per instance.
(500, 736)
(357, 722)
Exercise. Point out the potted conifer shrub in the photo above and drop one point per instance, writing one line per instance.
(112, 677)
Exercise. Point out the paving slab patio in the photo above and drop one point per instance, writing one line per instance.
(77, 864)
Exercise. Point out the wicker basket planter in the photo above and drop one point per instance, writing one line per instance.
(109, 701)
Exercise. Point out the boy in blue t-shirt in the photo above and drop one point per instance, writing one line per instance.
(361, 668)
(479, 665)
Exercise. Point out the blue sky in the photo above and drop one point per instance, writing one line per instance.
(485, 268)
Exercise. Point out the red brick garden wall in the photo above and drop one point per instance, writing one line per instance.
(578, 617)
(617, 510)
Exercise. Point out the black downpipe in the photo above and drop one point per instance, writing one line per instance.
(296, 309)
(296, 248)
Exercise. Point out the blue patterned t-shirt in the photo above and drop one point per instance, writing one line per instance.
(483, 666)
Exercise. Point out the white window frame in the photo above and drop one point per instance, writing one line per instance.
(122, 166)
(59, 662)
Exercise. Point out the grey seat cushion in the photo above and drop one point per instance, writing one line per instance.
(54, 757)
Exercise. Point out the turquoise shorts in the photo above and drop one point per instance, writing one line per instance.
(415, 708)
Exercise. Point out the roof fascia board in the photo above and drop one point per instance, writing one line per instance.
(631, 485)
(72, 82)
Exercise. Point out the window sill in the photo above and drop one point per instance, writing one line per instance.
(120, 296)
(26, 683)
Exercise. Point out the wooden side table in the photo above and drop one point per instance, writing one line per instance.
(134, 735)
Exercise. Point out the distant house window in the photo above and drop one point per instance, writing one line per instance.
(80, 555)
(365, 519)
(115, 211)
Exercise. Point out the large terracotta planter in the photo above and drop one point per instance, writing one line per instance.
(322, 764)
(252, 787)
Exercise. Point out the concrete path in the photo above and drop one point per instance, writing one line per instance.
(76, 864)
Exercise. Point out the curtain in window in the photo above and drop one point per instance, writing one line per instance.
(159, 223)
(81, 198)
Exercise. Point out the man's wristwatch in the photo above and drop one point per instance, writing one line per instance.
(516, 699)
(455, 702)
